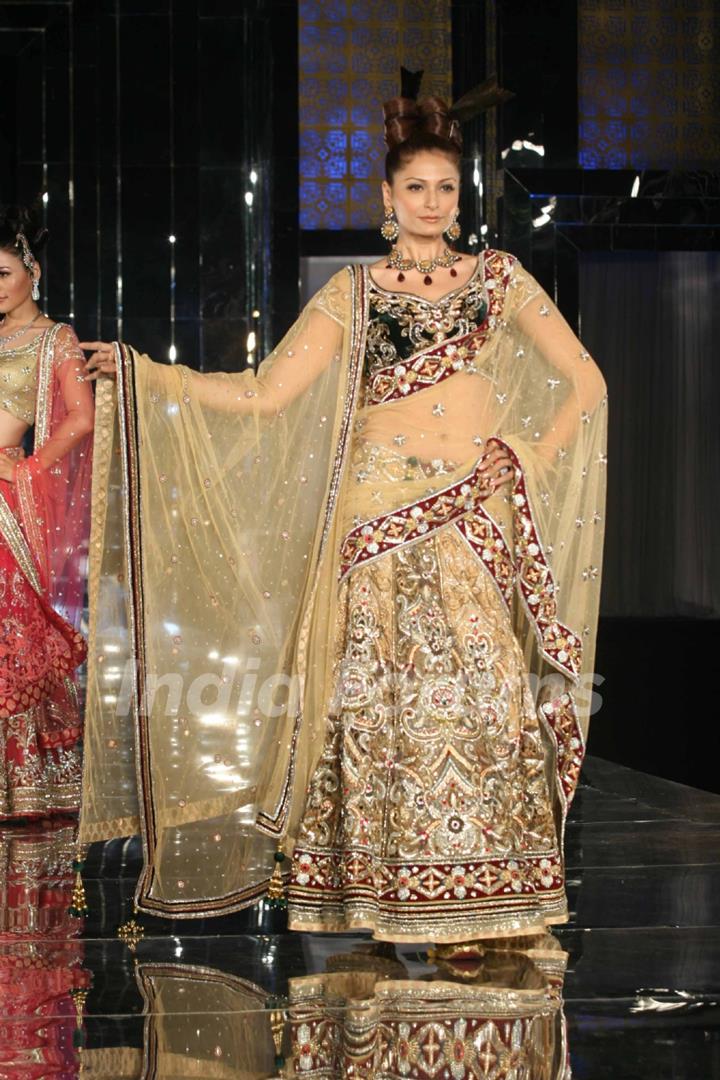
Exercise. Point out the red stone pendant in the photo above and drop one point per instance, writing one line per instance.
(401, 276)
(453, 272)
(427, 280)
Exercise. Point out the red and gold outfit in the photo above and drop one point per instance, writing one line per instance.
(43, 546)
(399, 657)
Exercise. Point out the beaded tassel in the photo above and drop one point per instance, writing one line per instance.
(79, 996)
(78, 906)
(276, 886)
(277, 1027)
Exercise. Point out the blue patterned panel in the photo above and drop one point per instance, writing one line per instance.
(649, 84)
(350, 57)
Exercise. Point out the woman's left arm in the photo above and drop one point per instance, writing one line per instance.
(69, 364)
(540, 320)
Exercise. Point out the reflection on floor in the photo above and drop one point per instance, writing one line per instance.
(627, 990)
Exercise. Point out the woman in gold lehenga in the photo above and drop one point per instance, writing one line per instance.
(363, 586)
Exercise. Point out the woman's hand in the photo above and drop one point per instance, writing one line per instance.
(102, 361)
(495, 467)
(7, 468)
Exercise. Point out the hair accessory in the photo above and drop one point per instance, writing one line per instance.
(27, 255)
(410, 83)
(29, 262)
(481, 97)
(390, 230)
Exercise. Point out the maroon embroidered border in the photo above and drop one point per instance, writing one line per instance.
(390, 531)
(432, 366)
(274, 824)
(355, 875)
(487, 541)
(535, 581)
(562, 719)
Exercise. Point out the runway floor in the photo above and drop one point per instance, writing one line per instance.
(637, 970)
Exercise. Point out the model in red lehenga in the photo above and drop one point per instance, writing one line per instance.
(44, 518)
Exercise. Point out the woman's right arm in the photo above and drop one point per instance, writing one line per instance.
(306, 351)
(288, 371)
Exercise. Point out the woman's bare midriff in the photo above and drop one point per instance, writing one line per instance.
(12, 430)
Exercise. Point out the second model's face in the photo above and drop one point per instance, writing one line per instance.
(424, 194)
(15, 282)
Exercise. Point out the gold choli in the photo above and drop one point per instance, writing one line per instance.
(18, 380)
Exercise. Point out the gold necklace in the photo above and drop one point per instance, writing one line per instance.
(16, 333)
(423, 266)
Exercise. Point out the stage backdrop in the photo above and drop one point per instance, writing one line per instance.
(653, 321)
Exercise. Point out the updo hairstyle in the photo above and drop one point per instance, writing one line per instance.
(25, 219)
(414, 126)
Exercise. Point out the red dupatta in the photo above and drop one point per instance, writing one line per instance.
(53, 484)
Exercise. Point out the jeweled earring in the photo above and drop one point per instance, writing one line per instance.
(390, 230)
(453, 230)
(35, 289)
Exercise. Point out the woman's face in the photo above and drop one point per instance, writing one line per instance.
(15, 282)
(424, 194)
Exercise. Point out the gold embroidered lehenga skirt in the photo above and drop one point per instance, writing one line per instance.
(429, 815)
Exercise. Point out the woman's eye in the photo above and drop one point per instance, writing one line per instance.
(414, 187)
(448, 187)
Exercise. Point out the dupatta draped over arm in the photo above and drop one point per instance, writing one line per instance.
(53, 484)
(224, 519)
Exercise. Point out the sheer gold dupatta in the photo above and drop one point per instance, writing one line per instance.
(213, 499)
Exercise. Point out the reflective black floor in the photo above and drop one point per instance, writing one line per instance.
(629, 989)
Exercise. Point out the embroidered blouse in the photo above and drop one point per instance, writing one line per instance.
(19, 375)
(18, 379)
(402, 324)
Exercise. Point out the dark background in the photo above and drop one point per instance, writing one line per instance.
(143, 121)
